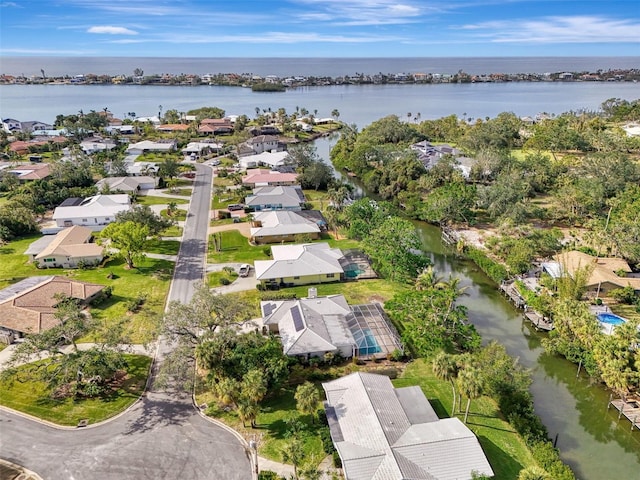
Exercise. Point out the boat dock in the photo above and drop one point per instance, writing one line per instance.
(629, 408)
(537, 320)
(510, 290)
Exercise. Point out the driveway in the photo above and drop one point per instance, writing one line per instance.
(162, 436)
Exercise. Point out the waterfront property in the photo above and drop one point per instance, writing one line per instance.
(264, 159)
(302, 264)
(275, 198)
(383, 432)
(316, 326)
(609, 321)
(284, 226)
(605, 273)
(268, 178)
(29, 306)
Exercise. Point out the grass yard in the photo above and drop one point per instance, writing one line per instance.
(14, 265)
(185, 192)
(505, 449)
(173, 231)
(152, 200)
(217, 279)
(318, 198)
(272, 425)
(34, 397)
(220, 202)
(164, 247)
(235, 248)
(179, 214)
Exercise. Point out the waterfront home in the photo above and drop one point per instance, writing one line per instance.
(394, 433)
(301, 264)
(604, 273)
(264, 159)
(284, 226)
(263, 143)
(172, 127)
(69, 248)
(29, 306)
(126, 184)
(11, 125)
(95, 212)
(97, 144)
(216, 126)
(275, 198)
(269, 178)
(316, 326)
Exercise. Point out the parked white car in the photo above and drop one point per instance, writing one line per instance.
(244, 270)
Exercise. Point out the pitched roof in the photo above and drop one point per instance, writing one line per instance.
(310, 325)
(31, 172)
(300, 260)
(282, 222)
(98, 205)
(604, 268)
(29, 305)
(268, 176)
(284, 196)
(72, 242)
(125, 184)
(381, 435)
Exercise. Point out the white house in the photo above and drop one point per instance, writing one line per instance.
(11, 125)
(95, 144)
(301, 264)
(267, 159)
(69, 248)
(275, 198)
(281, 226)
(393, 433)
(95, 212)
(149, 146)
(263, 143)
(126, 184)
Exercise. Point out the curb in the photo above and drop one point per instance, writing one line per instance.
(31, 474)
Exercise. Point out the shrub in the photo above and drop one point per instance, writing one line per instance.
(268, 475)
(134, 304)
(267, 251)
(398, 355)
(279, 295)
(225, 281)
(492, 269)
(626, 295)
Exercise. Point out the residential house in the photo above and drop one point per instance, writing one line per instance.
(126, 184)
(95, 212)
(275, 198)
(605, 273)
(11, 125)
(394, 433)
(430, 154)
(198, 149)
(69, 248)
(316, 326)
(301, 264)
(263, 143)
(172, 127)
(151, 146)
(30, 171)
(29, 306)
(264, 159)
(269, 178)
(216, 126)
(283, 226)
(34, 125)
(97, 144)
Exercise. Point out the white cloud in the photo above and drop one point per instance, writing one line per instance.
(111, 30)
(550, 30)
(45, 52)
(8, 4)
(363, 12)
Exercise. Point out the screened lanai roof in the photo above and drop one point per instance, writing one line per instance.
(372, 330)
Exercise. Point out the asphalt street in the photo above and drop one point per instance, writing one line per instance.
(162, 436)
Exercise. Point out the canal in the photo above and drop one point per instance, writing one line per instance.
(591, 439)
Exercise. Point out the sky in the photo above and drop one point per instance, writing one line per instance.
(319, 28)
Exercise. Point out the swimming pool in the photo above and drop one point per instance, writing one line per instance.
(610, 319)
(367, 344)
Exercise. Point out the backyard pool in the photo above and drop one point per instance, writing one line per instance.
(610, 319)
(353, 270)
(367, 344)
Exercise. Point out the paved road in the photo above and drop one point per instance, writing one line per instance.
(162, 436)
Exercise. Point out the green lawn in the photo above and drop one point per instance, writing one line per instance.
(178, 215)
(151, 200)
(235, 248)
(14, 265)
(174, 231)
(220, 202)
(185, 192)
(216, 279)
(504, 448)
(318, 198)
(164, 247)
(34, 398)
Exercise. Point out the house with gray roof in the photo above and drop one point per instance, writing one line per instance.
(282, 226)
(95, 212)
(301, 264)
(126, 184)
(275, 198)
(314, 326)
(387, 433)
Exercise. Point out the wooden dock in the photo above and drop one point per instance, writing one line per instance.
(510, 290)
(449, 236)
(629, 408)
(537, 320)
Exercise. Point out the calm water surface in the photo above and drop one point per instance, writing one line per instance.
(590, 437)
(357, 104)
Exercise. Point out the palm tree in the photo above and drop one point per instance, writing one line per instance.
(533, 473)
(445, 368)
(428, 278)
(307, 398)
(470, 386)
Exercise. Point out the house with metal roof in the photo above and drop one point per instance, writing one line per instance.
(69, 248)
(300, 264)
(387, 433)
(282, 226)
(266, 159)
(95, 212)
(29, 306)
(315, 326)
(275, 198)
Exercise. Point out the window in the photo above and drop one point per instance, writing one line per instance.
(296, 278)
(84, 220)
(48, 260)
(331, 275)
